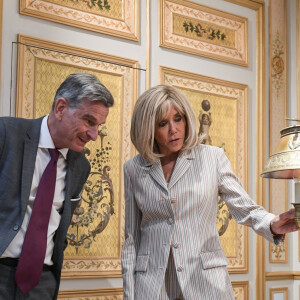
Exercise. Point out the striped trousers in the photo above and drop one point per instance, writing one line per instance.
(171, 289)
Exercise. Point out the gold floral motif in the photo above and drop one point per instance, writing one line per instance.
(238, 293)
(277, 64)
(225, 35)
(240, 289)
(91, 265)
(278, 250)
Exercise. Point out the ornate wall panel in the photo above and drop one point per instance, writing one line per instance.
(278, 188)
(221, 104)
(193, 28)
(96, 233)
(114, 17)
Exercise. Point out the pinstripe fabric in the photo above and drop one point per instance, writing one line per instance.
(153, 227)
(170, 287)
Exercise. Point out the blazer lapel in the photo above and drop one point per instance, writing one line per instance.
(183, 163)
(70, 175)
(156, 173)
(31, 142)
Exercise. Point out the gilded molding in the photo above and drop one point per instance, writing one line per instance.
(282, 291)
(283, 275)
(114, 18)
(193, 28)
(277, 109)
(259, 7)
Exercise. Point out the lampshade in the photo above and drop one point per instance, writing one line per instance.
(285, 162)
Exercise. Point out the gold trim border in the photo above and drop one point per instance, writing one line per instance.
(259, 7)
(49, 9)
(273, 124)
(283, 275)
(242, 173)
(104, 294)
(196, 51)
(283, 290)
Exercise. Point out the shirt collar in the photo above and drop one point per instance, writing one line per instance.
(46, 139)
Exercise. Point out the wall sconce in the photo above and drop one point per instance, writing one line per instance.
(285, 162)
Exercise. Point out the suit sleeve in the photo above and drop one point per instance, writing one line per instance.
(243, 209)
(132, 238)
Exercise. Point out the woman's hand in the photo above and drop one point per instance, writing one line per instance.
(284, 223)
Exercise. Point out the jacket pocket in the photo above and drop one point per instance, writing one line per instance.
(213, 259)
(142, 263)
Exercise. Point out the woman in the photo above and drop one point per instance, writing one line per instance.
(172, 248)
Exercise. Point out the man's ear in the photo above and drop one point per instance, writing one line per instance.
(61, 106)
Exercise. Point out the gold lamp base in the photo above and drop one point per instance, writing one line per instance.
(297, 214)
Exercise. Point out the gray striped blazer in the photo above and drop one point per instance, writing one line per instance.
(153, 226)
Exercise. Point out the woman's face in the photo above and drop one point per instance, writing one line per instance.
(170, 133)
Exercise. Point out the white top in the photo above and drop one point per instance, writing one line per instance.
(42, 160)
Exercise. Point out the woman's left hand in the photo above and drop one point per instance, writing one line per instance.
(284, 223)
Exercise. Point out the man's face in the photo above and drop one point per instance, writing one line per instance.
(77, 126)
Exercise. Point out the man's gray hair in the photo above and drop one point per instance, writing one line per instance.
(80, 86)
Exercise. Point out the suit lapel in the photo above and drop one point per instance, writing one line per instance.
(31, 142)
(183, 163)
(70, 174)
(156, 173)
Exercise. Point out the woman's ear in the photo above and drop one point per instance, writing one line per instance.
(61, 106)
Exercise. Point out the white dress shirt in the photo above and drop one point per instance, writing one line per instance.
(42, 159)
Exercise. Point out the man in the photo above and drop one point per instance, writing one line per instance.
(32, 171)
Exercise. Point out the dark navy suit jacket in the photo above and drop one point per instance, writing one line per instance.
(19, 140)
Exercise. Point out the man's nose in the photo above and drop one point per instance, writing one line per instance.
(93, 133)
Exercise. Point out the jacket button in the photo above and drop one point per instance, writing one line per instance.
(173, 200)
(170, 221)
(16, 227)
(175, 245)
(180, 269)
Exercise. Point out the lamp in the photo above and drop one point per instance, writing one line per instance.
(285, 162)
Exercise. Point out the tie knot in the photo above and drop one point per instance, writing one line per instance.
(54, 153)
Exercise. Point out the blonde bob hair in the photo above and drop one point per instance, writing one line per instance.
(151, 107)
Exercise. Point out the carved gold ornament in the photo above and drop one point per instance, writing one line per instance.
(277, 64)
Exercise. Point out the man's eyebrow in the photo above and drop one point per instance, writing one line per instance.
(89, 116)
